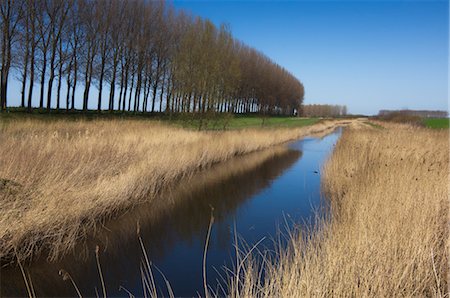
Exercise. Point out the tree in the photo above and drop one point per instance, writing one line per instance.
(32, 43)
(154, 57)
(57, 12)
(91, 26)
(11, 12)
(104, 14)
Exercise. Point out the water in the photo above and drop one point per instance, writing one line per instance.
(256, 195)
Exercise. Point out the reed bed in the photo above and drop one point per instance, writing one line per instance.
(59, 179)
(387, 234)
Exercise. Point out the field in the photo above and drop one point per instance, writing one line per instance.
(387, 234)
(190, 121)
(59, 179)
(405, 118)
(241, 122)
(437, 123)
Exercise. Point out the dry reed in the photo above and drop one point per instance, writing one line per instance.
(59, 179)
(387, 234)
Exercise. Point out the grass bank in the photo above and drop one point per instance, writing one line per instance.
(437, 123)
(59, 179)
(217, 121)
(243, 122)
(387, 233)
(405, 118)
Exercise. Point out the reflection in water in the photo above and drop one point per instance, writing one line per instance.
(253, 193)
(173, 229)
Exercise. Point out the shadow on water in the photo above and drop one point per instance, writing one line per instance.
(254, 193)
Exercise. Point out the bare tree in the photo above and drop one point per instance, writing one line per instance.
(116, 39)
(57, 12)
(91, 25)
(23, 50)
(44, 27)
(33, 41)
(145, 51)
(104, 15)
(11, 12)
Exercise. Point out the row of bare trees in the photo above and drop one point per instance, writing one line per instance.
(323, 110)
(134, 55)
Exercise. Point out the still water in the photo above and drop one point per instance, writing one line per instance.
(257, 196)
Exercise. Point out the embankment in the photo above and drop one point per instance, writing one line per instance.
(60, 179)
(387, 234)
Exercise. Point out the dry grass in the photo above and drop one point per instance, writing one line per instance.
(59, 179)
(388, 231)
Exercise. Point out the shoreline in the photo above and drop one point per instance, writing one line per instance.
(87, 195)
(387, 233)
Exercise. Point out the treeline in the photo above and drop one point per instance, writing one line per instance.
(134, 55)
(322, 110)
(417, 113)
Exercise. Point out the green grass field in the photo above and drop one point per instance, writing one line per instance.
(242, 122)
(437, 123)
(272, 122)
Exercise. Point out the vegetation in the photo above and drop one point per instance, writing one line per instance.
(374, 125)
(437, 122)
(420, 113)
(222, 121)
(316, 110)
(400, 117)
(242, 122)
(387, 234)
(430, 119)
(187, 208)
(60, 178)
(140, 56)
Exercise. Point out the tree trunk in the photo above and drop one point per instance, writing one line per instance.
(69, 72)
(113, 84)
(162, 91)
(131, 91)
(44, 69)
(155, 86)
(124, 96)
(100, 87)
(75, 79)
(25, 69)
(4, 69)
(58, 92)
(138, 90)
(52, 75)
(30, 87)
(87, 81)
(122, 74)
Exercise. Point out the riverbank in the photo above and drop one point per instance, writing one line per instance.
(217, 121)
(387, 234)
(60, 179)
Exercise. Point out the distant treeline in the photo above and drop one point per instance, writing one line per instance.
(134, 55)
(316, 110)
(418, 113)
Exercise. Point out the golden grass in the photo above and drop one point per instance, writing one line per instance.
(388, 231)
(189, 201)
(59, 179)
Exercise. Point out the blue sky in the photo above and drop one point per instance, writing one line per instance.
(368, 55)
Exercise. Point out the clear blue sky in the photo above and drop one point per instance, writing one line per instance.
(368, 55)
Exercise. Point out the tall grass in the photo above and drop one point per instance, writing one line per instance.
(189, 201)
(59, 179)
(387, 234)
